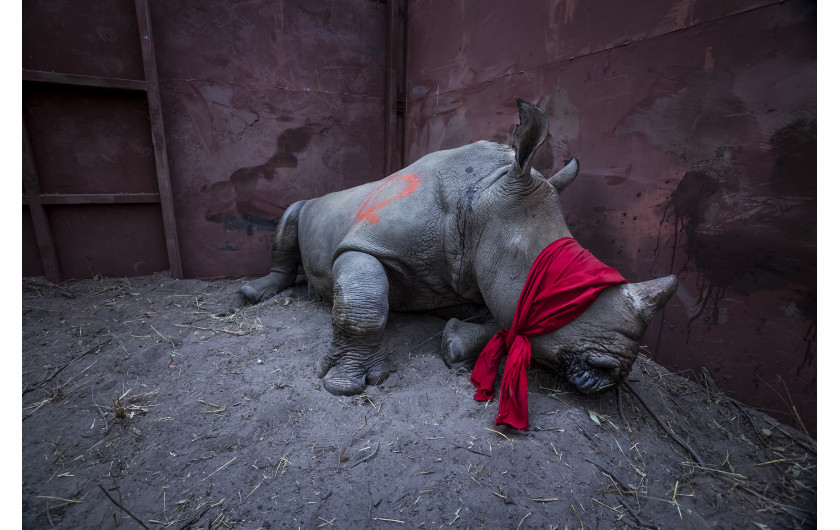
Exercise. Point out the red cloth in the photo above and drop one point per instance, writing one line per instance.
(563, 282)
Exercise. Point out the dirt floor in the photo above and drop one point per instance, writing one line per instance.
(141, 406)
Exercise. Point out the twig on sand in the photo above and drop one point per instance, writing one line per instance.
(368, 457)
(388, 520)
(749, 416)
(624, 487)
(500, 434)
(219, 330)
(123, 508)
(438, 334)
(56, 498)
(620, 405)
(807, 445)
(523, 520)
(357, 430)
(194, 519)
(49, 517)
(471, 450)
(636, 516)
(62, 367)
(100, 411)
(661, 423)
(210, 475)
(164, 338)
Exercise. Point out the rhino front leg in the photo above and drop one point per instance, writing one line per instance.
(360, 310)
(285, 257)
(463, 341)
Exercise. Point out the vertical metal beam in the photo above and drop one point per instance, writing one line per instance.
(395, 93)
(402, 109)
(389, 80)
(167, 204)
(43, 234)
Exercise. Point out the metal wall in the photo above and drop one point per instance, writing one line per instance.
(264, 103)
(91, 198)
(695, 126)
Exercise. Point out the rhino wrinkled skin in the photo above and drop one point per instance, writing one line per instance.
(453, 234)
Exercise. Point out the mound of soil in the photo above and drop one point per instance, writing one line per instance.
(143, 406)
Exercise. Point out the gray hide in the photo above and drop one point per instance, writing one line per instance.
(453, 234)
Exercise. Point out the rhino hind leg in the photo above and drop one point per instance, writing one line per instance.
(360, 310)
(463, 341)
(285, 257)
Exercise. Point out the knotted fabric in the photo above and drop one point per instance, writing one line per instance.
(563, 282)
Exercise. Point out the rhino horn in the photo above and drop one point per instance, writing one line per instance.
(565, 176)
(527, 138)
(650, 296)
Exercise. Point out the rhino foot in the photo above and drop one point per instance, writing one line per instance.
(360, 310)
(343, 377)
(463, 341)
(264, 288)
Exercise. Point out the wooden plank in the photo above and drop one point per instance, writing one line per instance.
(94, 198)
(158, 137)
(43, 234)
(83, 80)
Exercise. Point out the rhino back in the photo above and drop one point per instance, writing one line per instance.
(411, 222)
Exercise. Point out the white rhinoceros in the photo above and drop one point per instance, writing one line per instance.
(453, 234)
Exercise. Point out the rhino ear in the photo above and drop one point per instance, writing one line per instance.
(565, 176)
(527, 137)
(650, 296)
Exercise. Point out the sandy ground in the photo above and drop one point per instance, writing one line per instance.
(142, 406)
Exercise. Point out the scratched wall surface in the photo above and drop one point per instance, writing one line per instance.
(695, 125)
(265, 103)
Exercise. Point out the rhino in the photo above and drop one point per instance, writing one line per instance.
(454, 235)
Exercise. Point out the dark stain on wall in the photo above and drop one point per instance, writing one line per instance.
(290, 142)
(242, 185)
(748, 241)
(247, 223)
(695, 121)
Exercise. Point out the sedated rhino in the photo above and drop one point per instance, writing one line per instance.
(454, 234)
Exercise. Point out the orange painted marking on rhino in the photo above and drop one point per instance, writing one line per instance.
(412, 183)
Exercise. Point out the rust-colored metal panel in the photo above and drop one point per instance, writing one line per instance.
(32, 265)
(395, 84)
(454, 45)
(108, 240)
(241, 157)
(85, 37)
(331, 46)
(88, 140)
(265, 104)
(698, 158)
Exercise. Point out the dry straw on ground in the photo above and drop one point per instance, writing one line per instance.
(145, 402)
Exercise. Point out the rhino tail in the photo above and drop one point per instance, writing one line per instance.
(285, 257)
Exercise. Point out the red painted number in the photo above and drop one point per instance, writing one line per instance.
(411, 181)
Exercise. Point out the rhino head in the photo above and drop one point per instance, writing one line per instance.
(520, 214)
